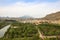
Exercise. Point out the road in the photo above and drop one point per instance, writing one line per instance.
(43, 36)
(40, 34)
(4, 30)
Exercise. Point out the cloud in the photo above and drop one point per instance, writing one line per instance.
(33, 9)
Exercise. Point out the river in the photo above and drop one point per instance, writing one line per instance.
(4, 30)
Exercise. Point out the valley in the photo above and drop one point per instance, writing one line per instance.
(30, 28)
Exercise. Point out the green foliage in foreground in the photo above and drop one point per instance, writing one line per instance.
(52, 39)
(23, 31)
(3, 24)
(28, 31)
(50, 29)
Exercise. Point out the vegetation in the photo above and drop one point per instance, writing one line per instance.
(22, 31)
(3, 24)
(52, 39)
(28, 31)
(50, 29)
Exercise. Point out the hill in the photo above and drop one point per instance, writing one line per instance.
(53, 16)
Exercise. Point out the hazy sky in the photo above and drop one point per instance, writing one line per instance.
(34, 8)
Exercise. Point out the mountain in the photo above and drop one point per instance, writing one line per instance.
(53, 16)
(26, 17)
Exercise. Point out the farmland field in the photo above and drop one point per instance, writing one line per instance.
(21, 31)
(2, 24)
(28, 31)
(49, 29)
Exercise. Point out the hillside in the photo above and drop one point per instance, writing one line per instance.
(53, 16)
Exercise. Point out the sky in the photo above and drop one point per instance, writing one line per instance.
(34, 8)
